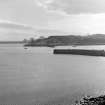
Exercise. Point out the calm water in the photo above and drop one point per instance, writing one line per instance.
(35, 75)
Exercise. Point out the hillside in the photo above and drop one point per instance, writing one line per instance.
(51, 41)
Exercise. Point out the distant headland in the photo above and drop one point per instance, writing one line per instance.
(66, 40)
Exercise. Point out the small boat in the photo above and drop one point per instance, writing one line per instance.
(25, 48)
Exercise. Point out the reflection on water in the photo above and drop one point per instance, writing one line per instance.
(35, 75)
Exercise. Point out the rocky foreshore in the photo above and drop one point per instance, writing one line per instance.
(88, 100)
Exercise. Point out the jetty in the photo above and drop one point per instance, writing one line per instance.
(80, 52)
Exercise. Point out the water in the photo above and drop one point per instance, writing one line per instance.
(34, 75)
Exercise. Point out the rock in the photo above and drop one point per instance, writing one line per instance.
(100, 100)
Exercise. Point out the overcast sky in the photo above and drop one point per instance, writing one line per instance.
(71, 16)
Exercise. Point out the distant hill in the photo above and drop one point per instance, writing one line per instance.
(12, 42)
(51, 41)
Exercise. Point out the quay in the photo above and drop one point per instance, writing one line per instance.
(80, 52)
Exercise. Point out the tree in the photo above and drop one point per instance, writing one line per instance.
(41, 37)
(25, 40)
(32, 40)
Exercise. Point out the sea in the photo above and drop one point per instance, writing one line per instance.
(35, 76)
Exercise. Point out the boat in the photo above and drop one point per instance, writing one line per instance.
(25, 48)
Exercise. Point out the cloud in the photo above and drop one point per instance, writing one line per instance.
(13, 25)
(15, 36)
(15, 31)
(52, 6)
(44, 3)
(73, 6)
(81, 24)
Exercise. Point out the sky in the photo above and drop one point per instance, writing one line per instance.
(21, 19)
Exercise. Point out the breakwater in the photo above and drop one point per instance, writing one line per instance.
(80, 52)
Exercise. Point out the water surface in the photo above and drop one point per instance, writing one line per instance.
(34, 75)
